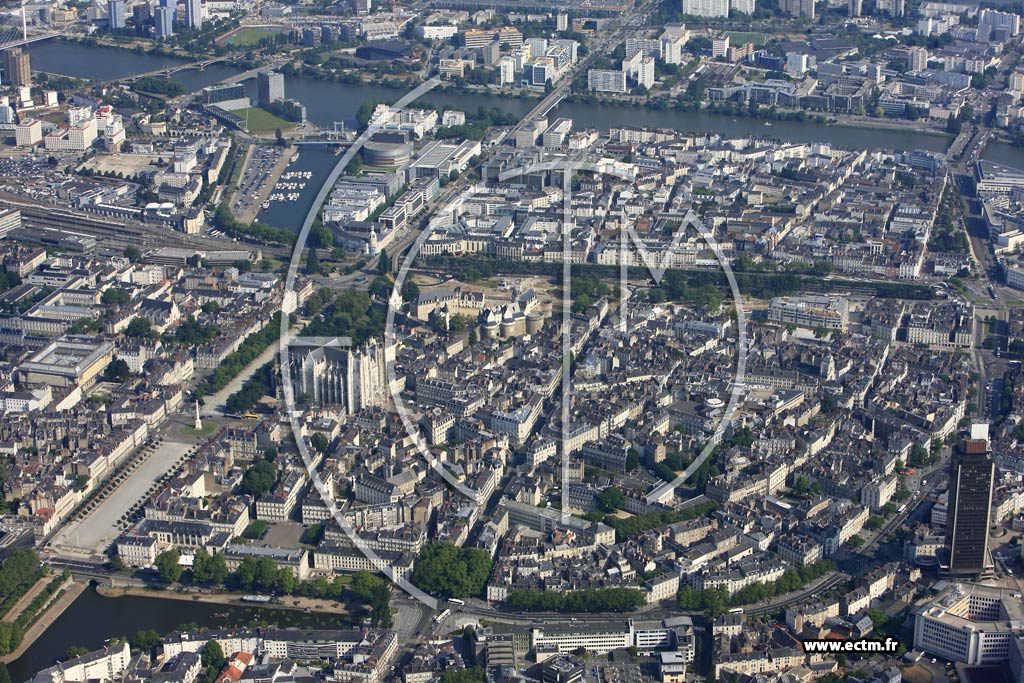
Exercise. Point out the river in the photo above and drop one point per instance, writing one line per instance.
(327, 102)
(104, 63)
(1004, 153)
(93, 619)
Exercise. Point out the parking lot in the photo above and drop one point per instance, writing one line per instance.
(265, 164)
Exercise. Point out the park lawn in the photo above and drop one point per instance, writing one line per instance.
(208, 427)
(261, 120)
(250, 36)
(744, 37)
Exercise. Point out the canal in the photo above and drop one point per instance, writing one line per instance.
(93, 619)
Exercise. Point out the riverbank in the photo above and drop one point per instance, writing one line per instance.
(294, 603)
(769, 117)
(52, 613)
(25, 600)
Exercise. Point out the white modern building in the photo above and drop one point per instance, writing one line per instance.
(970, 623)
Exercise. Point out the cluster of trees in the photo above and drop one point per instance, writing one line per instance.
(477, 124)
(693, 289)
(352, 314)
(259, 478)
(193, 333)
(264, 575)
(251, 348)
(715, 601)
(375, 591)
(116, 371)
(115, 297)
(12, 632)
(586, 289)
(921, 456)
(18, 572)
(155, 85)
(669, 468)
(946, 235)
(449, 571)
(630, 526)
(223, 220)
(260, 384)
(474, 674)
(587, 600)
(703, 289)
(611, 499)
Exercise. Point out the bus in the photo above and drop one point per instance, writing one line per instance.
(456, 601)
(736, 610)
(442, 616)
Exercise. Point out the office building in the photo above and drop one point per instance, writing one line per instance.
(1000, 26)
(706, 8)
(970, 506)
(803, 9)
(507, 71)
(29, 132)
(719, 46)
(18, 67)
(171, 5)
(673, 43)
(115, 10)
(194, 14)
(228, 97)
(269, 86)
(602, 80)
(976, 625)
(917, 58)
(10, 219)
(742, 6)
(163, 19)
(141, 13)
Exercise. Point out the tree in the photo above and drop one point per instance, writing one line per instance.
(319, 442)
(138, 327)
(410, 290)
(167, 565)
(133, 253)
(145, 641)
(259, 478)
(611, 499)
(312, 263)
(213, 656)
(376, 592)
(384, 263)
(75, 651)
(116, 371)
(632, 459)
(313, 534)
(581, 303)
(450, 571)
(115, 297)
